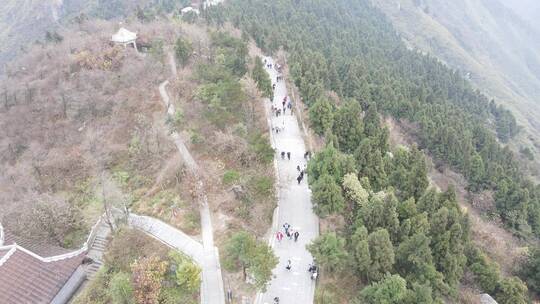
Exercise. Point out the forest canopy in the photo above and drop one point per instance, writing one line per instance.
(399, 235)
(349, 47)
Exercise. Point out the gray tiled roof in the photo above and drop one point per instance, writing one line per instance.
(26, 279)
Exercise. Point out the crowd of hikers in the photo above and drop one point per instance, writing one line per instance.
(286, 107)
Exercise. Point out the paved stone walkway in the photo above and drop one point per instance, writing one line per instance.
(294, 207)
(168, 235)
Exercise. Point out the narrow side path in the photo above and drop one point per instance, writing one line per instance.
(168, 235)
(294, 207)
(212, 291)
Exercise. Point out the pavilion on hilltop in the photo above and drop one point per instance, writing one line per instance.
(125, 38)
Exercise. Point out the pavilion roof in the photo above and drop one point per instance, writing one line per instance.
(123, 35)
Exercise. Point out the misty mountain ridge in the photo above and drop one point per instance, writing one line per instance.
(497, 48)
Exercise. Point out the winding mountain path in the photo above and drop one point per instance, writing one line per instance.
(294, 207)
(212, 291)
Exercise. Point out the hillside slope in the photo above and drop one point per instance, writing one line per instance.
(23, 22)
(484, 38)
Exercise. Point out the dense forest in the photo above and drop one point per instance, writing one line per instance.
(409, 242)
(350, 48)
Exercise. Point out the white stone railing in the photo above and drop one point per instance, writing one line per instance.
(89, 241)
(92, 236)
(1, 235)
(11, 249)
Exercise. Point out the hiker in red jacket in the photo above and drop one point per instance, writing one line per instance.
(279, 236)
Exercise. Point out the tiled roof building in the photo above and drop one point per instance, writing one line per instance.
(33, 273)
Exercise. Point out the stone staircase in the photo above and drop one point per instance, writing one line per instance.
(95, 252)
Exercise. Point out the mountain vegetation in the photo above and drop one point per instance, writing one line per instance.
(493, 43)
(23, 23)
(139, 269)
(84, 129)
(80, 128)
(372, 66)
(394, 222)
(69, 142)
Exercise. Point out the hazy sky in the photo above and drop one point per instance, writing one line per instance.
(527, 9)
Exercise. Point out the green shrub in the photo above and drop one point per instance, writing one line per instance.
(325, 296)
(193, 220)
(230, 177)
(511, 290)
(260, 145)
(254, 257)
(262, 79)
(120, 289)
(187, 275)
(183, 50)
(121, 177)
(196, 138)
(262, 186)
(174, 295)
(178, 118)
(96, 291)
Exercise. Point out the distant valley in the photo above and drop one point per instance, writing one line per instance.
(487, 41)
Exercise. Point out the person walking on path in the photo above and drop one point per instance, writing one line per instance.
(286, 226)
(298, 168)
(279, 236)
(299, 179)
(282, 155)
(289, 266)
(296, 235)
(289, 155)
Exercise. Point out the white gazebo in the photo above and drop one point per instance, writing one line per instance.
(125, 38)
(189, 9)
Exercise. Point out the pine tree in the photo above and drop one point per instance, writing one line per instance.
(372, 122)
(382, 254)
(327, 198)
(370, 163)
(348, 126)
(420, 294)
(412, 255)
(354, 190)
(321, 116)
(332, 162)
(253, 257)
(360, 249)
(392, 289)
(477, 173)
(262, 79)
(511, 291)
(183, 50)
(329, 251)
